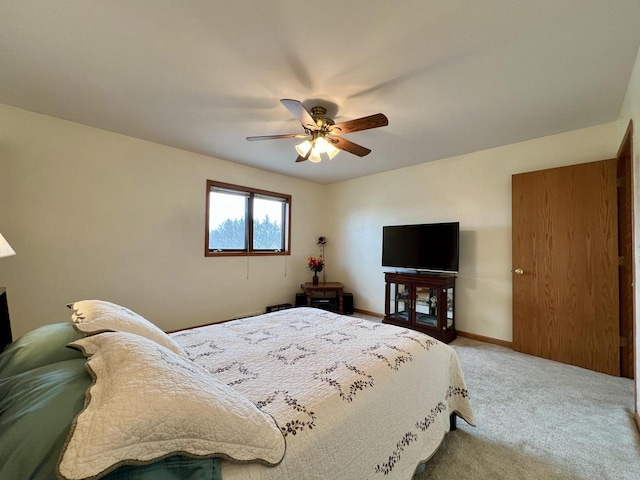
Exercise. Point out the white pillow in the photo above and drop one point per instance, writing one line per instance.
(97, 316)
(147, 403)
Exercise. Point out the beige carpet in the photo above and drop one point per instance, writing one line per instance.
(538, 419)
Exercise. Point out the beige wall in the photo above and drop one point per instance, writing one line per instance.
(631, 110)
(93, 214)
(473, 189)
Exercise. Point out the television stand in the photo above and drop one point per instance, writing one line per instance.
(422, 301)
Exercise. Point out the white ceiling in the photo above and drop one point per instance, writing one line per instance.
(452, 76)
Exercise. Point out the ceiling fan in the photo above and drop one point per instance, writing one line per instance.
(322, 135)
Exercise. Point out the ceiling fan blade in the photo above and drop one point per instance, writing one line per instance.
(297, 110)
(275, 137)
(350, 147)
(364, 123)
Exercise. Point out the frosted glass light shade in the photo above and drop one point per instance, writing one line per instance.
(315, 156)
(303, 148)
(331, 151)
(5, 248)
(321, 144)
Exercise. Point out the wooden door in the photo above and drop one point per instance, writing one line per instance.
(565, 262)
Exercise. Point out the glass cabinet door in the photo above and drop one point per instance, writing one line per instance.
(400, 302)
(427, 306)
(449, 292)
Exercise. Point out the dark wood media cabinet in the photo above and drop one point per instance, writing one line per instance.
(423, 302)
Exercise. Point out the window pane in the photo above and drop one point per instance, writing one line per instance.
(227, 221)
(267, 223)
(246, 221)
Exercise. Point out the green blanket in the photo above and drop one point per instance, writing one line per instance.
(42, 389)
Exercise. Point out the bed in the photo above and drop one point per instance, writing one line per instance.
(298, 393)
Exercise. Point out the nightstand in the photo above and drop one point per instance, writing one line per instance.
(324, 287)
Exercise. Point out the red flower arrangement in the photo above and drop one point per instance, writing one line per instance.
(316, 264)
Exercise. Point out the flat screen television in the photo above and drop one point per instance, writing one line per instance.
(432, 247)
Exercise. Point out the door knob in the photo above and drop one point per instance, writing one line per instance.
(519, 271)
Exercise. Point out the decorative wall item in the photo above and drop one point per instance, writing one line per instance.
(321, 243)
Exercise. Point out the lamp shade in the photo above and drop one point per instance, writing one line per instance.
(5, 248)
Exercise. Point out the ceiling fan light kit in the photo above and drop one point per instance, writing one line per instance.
(322, 134)
(314, 148)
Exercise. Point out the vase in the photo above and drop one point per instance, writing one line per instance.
(315, 279)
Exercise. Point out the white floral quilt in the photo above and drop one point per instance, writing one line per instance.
(355, 399)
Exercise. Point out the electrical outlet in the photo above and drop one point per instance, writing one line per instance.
(301, 286)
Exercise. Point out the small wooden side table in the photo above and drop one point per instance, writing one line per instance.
(324, 287)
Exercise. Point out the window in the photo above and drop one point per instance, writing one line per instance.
(246, 221)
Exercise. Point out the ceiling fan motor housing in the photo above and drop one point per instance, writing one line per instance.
(323, 122)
